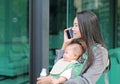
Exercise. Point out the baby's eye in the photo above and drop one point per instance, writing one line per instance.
(65, 52)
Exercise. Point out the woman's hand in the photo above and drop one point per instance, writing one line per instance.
(44, 80)
(66, 39)
(55, 81)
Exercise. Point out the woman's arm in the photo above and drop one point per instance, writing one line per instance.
(44, 80)
(66, 41)
(60, 80)
(95, 71)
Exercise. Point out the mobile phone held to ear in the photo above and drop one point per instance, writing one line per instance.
(70, 33)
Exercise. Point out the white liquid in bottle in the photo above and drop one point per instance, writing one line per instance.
(43, 72)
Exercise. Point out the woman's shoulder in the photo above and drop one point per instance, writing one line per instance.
(99, 49)
(100, 53)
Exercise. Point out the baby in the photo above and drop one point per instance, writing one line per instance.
(62, 69)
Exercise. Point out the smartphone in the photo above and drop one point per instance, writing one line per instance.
(70, 33)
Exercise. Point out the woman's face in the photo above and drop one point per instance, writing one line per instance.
(76, 31)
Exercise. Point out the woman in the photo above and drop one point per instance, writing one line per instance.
(86, 29)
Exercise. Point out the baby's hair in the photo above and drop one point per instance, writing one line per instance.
(77, 42)
(77, 49)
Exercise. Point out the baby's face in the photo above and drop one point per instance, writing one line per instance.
(68, 54)
(72, 52)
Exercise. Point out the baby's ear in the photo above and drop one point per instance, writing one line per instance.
(75, 56)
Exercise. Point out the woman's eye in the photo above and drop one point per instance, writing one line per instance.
(76, 25)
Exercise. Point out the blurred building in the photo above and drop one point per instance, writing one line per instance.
(31, 31)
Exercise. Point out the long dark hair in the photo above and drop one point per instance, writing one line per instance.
(90, 32)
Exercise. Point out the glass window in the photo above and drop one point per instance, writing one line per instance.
(57, 25)
(117, 31)
(14, 46)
